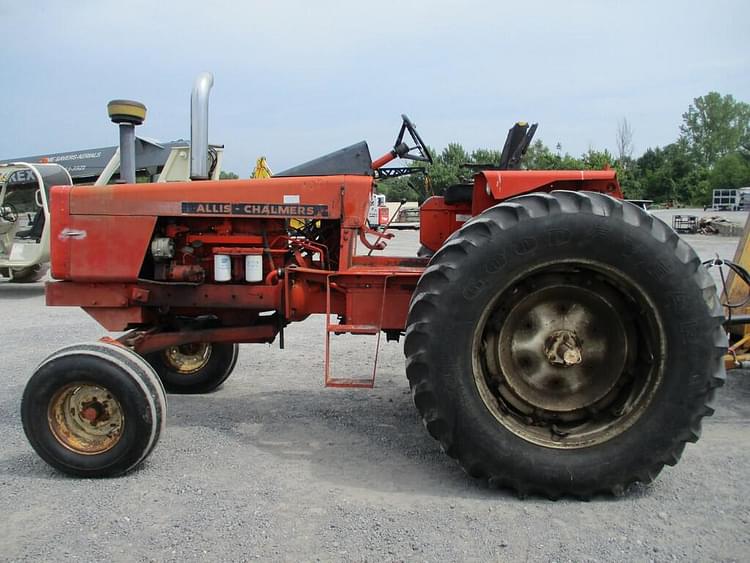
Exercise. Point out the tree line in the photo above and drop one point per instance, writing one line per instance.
(712, 151)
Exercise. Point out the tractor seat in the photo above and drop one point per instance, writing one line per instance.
(36, 230)
(458, 193)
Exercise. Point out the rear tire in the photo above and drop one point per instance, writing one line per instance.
(194, 368)
(93, 410)
(586, 342)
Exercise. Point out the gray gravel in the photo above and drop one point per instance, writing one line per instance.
(275, 467)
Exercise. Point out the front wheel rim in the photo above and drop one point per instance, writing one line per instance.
(569, 356)
(86, 418)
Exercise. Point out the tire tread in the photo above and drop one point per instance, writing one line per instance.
(448, 259)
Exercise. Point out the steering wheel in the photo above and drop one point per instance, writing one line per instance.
(8, 213)
(419, 145)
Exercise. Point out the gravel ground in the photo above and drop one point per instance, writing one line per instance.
(273, 466)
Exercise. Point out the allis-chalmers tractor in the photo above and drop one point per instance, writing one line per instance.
(558, 340)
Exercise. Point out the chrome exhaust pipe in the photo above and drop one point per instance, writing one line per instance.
(199, 126)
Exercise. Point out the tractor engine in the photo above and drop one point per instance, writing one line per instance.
(210, 250)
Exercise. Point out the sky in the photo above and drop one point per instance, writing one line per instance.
(297, 79)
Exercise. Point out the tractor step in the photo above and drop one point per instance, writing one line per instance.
(351, 383)
(330, 380)
(335, 328)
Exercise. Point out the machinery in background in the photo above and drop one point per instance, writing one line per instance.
(25, 185)
(730, 200)
(405, 216)
(377, 213)
(24, 218)
(261, 170)
(155, 162)
(736, 300)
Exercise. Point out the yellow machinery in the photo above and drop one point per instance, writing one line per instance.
(261, 170)
(736, 298)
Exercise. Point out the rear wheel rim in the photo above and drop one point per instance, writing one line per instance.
(86, 418)
(187, 359)
(569, 356)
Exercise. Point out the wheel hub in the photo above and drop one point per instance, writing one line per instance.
(86, 418)
(563, 348)
(561, 359)
(188, 358)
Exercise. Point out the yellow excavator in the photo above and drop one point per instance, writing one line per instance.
(261, 170)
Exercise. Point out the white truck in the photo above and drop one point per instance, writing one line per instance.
(377, 215)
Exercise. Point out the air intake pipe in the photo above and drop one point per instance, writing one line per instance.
(199, 126)
(128, 115)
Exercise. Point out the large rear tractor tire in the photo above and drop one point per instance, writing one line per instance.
(93, 410)
(194, 368)
(29, 274)
(565, 344)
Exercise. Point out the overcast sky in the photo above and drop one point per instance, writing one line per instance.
(294, 80)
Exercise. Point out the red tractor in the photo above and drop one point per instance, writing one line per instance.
(558, 340)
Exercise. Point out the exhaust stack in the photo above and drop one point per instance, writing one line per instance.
(127, 114)
(199, 126)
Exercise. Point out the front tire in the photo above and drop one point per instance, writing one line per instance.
(194, 368)
(93, 410)
(585, 340)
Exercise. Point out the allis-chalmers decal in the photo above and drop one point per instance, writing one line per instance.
(255, 209)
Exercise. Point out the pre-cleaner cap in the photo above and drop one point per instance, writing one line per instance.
(126, 111)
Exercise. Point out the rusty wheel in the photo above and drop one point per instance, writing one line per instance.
(564, 344)
(93, 410)
(187, 359)
(194, 368)
(86, 418)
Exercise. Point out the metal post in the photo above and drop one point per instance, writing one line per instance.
(127, 153)
(127, 114)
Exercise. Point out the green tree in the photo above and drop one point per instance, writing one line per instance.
(671, 174)
(485, 156)
(410, 188)
(597, 160)
(730, 171)
(630, 182)
(453, 155)
(714, 126)
(711, 152)
(226, 175)
(446, 170)
(540, 157)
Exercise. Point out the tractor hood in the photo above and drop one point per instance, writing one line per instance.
(353, 160)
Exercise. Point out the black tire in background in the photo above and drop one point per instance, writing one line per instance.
(124, 399)
(29, 274)
(564, 343)
(213, 363)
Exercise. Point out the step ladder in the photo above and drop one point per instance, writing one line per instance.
(336, 328)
